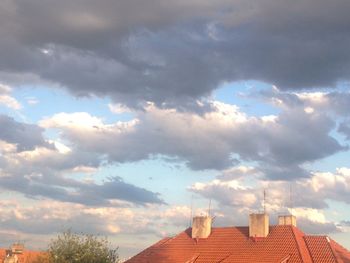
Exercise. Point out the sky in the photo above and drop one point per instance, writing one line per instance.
(125, 118)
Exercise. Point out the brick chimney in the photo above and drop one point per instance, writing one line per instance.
(287, 220)
(201, 226)
(258, 225)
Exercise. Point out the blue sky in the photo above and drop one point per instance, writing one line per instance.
(117, 118)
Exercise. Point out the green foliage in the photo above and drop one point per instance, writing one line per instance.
(70, 247)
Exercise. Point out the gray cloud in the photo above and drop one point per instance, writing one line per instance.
(345, 223)
(317, 228)
(344, 128)
(178, 52)
(24, 136)
(116, 188)
(39, 169)
(74, 191)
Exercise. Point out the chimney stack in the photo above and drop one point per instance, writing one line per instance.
(201, 226)
(287, 220)
(258, 225)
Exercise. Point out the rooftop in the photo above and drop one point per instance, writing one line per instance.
(284, 243)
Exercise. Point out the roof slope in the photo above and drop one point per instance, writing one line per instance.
(324, 249)
(233, 245)
(342, 254)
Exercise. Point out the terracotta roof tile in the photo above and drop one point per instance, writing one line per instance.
(342, 255)
(302, 247)
(320, 249)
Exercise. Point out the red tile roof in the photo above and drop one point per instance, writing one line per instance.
(233, 245)
(342, 254)
(28, 256)
(320, 249)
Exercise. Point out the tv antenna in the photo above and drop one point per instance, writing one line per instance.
(209, 207)
(264, 201)
(191, 211)
(291, 198)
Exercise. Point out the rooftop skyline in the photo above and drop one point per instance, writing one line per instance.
(116, 116)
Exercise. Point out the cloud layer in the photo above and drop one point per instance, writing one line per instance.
(219, 138)
(175, 53)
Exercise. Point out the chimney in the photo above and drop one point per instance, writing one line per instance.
(201, 226)
(258, 225)
(17, 248)
(287, 220)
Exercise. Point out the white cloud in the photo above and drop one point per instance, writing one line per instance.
(207, 141)
(344, 171)
(32, 100)
(314, 215)
(7, 147)
(77, 120)
(305, 195)
(231, 193)
(62, 148)
(85, 169)
(8, 100)
(309, 110)
(313, 98)
(118, 108)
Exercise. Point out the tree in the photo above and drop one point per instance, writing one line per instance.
(70, 247)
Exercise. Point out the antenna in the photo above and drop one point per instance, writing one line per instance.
(264, 203)
(291, 198)
(209, 207)
(191, 210)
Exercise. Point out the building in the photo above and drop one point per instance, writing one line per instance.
(258, 242)
(18, 254)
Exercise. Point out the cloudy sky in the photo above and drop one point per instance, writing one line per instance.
(117, 116)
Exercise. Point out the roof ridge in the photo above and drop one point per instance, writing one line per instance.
(187, 231)
(294, 231)
(307, 246)
(335, 254)
(162, 242)
(341, 246)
